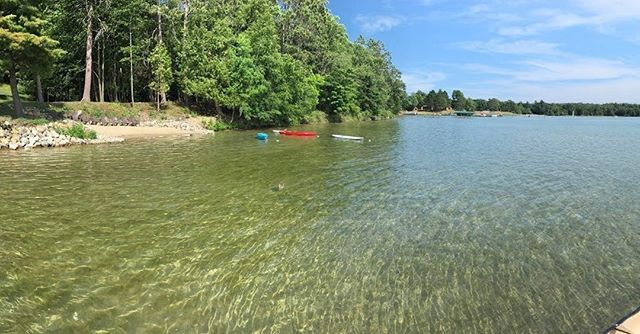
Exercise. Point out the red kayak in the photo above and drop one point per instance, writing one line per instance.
(298, 133)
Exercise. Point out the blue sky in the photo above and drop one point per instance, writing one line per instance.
(559, 51)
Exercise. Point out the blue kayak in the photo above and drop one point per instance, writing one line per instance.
(262, 136)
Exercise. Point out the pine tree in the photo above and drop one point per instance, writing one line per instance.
(23, 46)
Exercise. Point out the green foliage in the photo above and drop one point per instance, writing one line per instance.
(316, 117)
(77, 130)
(434, 101)
(430, 101)
(24, 46)
(30, 122)
(216, 125)
(410, 102)
(471, 105)
(22, 40)
(442, 101)
(493, 105)
(161, 69)
(420, 98)
(339, 93)
(258, 62)
(458, 101)
(549, 109)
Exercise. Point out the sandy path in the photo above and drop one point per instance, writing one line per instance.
(137, 131)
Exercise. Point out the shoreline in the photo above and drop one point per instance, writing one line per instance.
(15, 136)
(130, 132)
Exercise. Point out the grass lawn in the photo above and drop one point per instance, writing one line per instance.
(39, 113)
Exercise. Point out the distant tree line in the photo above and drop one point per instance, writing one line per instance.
(440, 101)
(263, 61)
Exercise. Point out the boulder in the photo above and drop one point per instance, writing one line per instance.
(75, 116)
(83, 118)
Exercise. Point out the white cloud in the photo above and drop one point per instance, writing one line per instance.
(377, 23)
(547, 21)
(568, 69)
(576, 69)
(422, 80)
(611, 9)
(598, 14)
(519, 47)
(545, 65)
(620, 91)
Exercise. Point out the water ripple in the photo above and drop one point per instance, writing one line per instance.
(435, 225)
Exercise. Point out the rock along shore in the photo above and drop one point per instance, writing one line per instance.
(13, 136)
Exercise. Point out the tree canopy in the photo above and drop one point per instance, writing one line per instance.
(437, 101)
(263, 62)
(23, 45)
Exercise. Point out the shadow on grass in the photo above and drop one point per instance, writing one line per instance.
(34, 112)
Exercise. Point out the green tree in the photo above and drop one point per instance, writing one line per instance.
(430, 100)
(442, 101)
(410, 102)
(162, 72)
(421, 98)
(372, 86)
(471, 105)
(458, 101)
(204, 55)
(510, 106)
(312, 35)
(494, 105)
(339, 93)
(261, 61)
(23, 46)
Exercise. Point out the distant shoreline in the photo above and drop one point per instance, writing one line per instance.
(497, 113)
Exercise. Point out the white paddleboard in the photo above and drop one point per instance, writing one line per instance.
(347, 137)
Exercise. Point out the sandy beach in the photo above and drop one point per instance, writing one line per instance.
(138, 131)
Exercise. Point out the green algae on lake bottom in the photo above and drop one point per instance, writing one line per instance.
(436, 225)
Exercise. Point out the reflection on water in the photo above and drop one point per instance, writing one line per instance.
(435, 225)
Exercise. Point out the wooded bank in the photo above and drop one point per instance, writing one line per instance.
(263, 61)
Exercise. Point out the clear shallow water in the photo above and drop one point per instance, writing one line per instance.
(514, 225)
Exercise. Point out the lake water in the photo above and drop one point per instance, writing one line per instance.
(511, 225)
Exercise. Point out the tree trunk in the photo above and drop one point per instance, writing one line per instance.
(101, 71)
(163, 95)
(88, 73)
(218, 109)
(185, 5)
(39, 88)
(115, 82)
(17, 104)
(131, 65)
